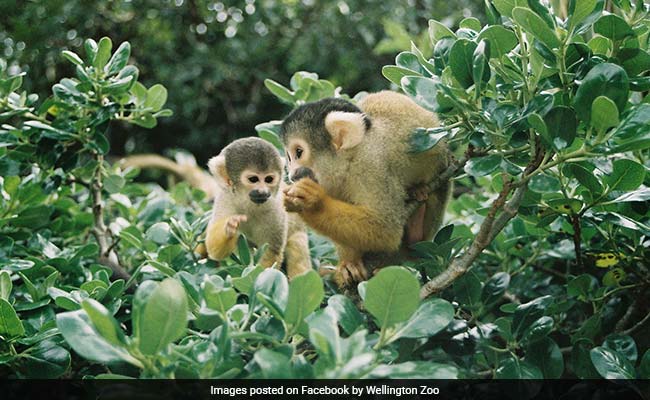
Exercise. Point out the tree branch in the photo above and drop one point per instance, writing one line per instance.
(107, 255)
(490, 228)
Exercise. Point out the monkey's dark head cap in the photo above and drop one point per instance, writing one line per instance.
(251, 152)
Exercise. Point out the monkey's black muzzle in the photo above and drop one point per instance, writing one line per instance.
(303, 172)
(259, 196)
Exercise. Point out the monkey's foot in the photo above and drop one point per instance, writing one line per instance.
(350, 273)
(326, 270)
(419, 192)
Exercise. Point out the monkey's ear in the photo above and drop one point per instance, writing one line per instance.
(346, 128)
(217, 166)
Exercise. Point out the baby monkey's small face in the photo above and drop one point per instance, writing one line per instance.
(260, 185)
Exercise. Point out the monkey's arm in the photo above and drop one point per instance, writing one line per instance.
(351, 225)
(218, 242)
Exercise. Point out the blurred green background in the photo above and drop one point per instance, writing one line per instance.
(213, 56)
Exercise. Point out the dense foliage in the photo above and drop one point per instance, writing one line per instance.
(213, 56)
(550, 125)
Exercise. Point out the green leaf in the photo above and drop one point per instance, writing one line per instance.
(156, 97)
(91, 50)
(544, 183)
(527, 313)
(644, 366)
(438, 31)
(244, 284)
(546, 355)
(582, 287)
(604, 79)
(495, 287)
(5, 285)
(538, 330)
(561, 127)
(119, 59)
(273, 364)
(501, 40)
(468, 290)
(219, 298)
(145, 120)
(159, 232)
(10, 324)
(113, 183)
(600, 45)
(392, 295)
(481, 166)
(627, 175)
(461, 61)
(581, 360)
(78, 331)
(422, 90)
(431, 317)
(585, 177)
(623, 345)
(395, 74)
(610, 364)
(423, 139)
(305, 295)
(104, 322)
(634, 132)
(505, 7)
(513, 368)
(612, 26)
(582, 9)
(415, 370)
(480, 66)
(285, 95)
(604, 114)
(163, 318)
(470, 23)
(347, 314)
(103, 52)
(45, 360)
(273, 284)
(536, 26)
(72, 57)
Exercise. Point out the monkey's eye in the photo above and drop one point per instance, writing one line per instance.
(253, 179)
(268, 179)
(298, 152)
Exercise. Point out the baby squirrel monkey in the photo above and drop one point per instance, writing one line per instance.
(248, 200)
(363, 175)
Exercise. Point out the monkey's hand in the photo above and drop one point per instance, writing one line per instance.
(232, 225)
(419, 193)
(304, 195)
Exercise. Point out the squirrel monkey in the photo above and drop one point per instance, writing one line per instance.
(249, 200)
(364, 173)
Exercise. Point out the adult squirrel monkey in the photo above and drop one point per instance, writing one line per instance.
(248, 200)
(362, 176)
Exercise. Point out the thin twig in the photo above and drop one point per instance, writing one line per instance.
(107, 255)
(638, 325)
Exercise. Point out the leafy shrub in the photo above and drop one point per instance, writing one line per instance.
(550, 128)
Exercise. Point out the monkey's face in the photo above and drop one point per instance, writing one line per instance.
(259, 186)
(299, 155)
(323, 137)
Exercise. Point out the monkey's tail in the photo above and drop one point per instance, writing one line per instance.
(186, 170)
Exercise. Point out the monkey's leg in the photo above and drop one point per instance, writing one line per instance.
(297, 254)
(271, 257)
(218, 242)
